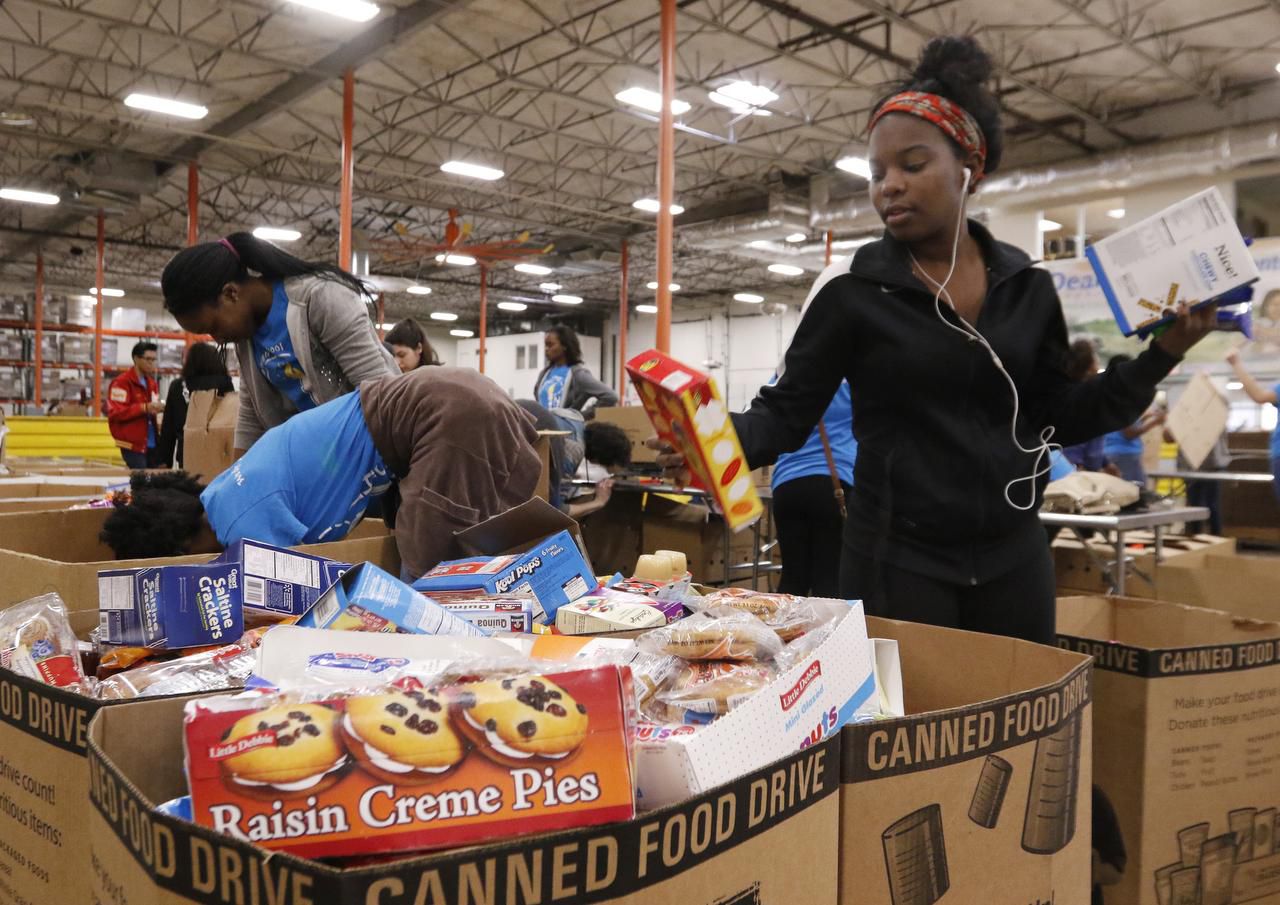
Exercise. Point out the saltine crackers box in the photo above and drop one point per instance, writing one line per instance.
(687, 412)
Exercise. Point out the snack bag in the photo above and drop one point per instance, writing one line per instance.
(790, 617)
(36, 641)
(411, 765)
(718, 634)
(213, 669)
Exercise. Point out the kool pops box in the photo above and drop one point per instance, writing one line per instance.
(408, 766)
(687, 412)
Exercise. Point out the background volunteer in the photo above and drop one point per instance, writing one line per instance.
(203, 369)
(133, 401)
(410, 347)
(1260, 394)
(565, 382)
(302, 330)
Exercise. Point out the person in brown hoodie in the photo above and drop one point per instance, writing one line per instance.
(455, 446)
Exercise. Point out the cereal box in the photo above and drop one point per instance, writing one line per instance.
(409, 766)
(687, 412)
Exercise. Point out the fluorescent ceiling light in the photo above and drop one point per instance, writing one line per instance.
(567, 299)
(858, 166)
(355, 10)
(456, 260)
(386, 326)
(443, 316)
(747, 93)
(1234, 385)
(108, 293)
(537, 270)
(737, 107)
(760, 243)
(650, 205)
(796, 237)
(28, 196)
(650, 100)
(462, 334)
(166, 105)
(1048, 226)
(787, 270)
(550, 287)
(647, 309)
(653, 285)
(474, 170)
(845, 244)
(1277, 67)
(749, 297)
(271, 233)
(1116, 213)
(419, 290)
(512, 306)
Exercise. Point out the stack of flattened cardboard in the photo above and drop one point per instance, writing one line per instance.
(208, 439)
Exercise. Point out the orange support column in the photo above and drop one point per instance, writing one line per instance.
(666, 174)
(484, 311)
(38, 314)
(348, 169)
(193, 203)
(623, 312)
(97, 315)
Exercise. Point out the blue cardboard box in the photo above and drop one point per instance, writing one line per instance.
(171, 606)
(278, 582)
(552, 571)
(368, 599)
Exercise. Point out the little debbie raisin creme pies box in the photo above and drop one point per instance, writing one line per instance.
(408, 766)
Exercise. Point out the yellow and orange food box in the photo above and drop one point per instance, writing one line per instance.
(687, 412)
(413, 766)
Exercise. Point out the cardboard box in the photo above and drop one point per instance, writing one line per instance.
(494, 615)
(687, 412)
(737, 845)
(613, 534)
(799, 708)
(171, 607)
(1080, 566)
(208, 440)
(635, 421)
(1187, 721)
(552, 572)
(981, 793)
(42, 503)
(699, 533)
(481, 787)
(280, 583)
(61, 551)
(1240, 585)
(367, 599)
(1198, 418)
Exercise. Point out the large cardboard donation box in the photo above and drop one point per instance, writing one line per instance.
(1240, 585)
(1187, 747)
(982, 792)
(208, 440)
(44, 776)
(769, 838)
(1088, 566)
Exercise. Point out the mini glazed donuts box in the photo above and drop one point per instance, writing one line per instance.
(411, 766)
(687, 412)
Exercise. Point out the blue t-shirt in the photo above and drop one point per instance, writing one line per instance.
(1059, 466)
(551, 390)
(1088, 456)
(811, 459)
(151, 420)
(1117, 444)
(306, 481)
(273, 353)
(1275, 434)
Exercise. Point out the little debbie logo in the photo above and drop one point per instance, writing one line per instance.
(811, 675)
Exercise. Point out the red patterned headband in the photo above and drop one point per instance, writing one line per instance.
(948, 116)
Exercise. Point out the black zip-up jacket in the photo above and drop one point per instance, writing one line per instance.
(933, 413)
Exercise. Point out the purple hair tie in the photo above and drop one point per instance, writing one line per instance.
(231, 248)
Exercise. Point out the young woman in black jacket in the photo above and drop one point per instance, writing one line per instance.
(204, 369)
(942, 523)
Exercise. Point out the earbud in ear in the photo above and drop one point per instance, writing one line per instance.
(968, 174)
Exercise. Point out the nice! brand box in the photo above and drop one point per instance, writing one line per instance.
(553, 572)
(407, 767)
(687, 412)
(171, 606)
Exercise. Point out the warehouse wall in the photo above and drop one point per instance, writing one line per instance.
(502, 358)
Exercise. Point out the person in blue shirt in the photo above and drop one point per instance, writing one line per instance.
(1123, 448)
(805, 512)
(565, 382)
(1263, 395)
(459, 447)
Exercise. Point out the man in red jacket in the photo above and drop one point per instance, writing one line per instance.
(133, 401)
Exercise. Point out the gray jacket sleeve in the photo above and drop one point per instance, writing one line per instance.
(249, 426)
(340, 323)
(587, 387)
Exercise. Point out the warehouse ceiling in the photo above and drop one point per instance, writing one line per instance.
(528, 87)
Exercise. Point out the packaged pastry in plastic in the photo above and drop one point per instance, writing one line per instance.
(790, 617)
(214, 669)
(416, 764)
(716, 634)
(706, 689)
(37, 641)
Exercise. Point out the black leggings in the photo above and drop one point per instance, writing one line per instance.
(1020, 603)
(809, 529)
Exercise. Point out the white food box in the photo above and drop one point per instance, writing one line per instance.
(1191, 251)
(804, 705)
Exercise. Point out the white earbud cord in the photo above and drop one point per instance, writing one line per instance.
(1044, 450)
